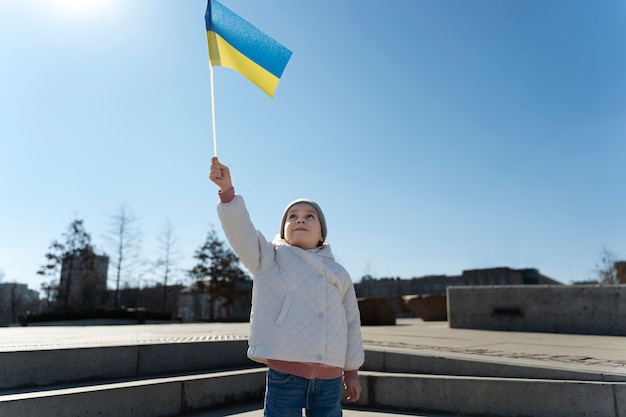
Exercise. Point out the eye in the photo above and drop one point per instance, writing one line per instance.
(311, 216)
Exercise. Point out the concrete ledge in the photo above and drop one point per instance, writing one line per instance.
(158, 359)
(388, 360)
(65, 366)
(123, 400)
(228, 389)
(457, 395)
(48, 367)
(578, 309)
(157, 397)
(501, 397)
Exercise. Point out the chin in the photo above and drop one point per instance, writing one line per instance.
(302, 245)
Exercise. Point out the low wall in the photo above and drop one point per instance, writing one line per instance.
(484, 396)
(578, 309)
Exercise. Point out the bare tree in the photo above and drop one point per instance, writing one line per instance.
(50, 289)
(124, 240)
(167, 242)
(605, 270)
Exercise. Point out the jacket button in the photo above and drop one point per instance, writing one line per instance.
(319, 357)
(321, 314)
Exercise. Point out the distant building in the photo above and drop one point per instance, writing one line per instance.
(15, 300)
(195, 303)
(437, 284)
(83, 283)
(620, 271)
(156, 298)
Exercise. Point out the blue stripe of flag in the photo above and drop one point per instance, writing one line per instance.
(246, 38)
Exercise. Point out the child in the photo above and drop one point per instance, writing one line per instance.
(305, 322)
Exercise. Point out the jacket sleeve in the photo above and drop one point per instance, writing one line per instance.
(355, 356)
(253, 250)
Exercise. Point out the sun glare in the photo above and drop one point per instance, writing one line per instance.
(83, 8)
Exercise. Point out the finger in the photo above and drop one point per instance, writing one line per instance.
(353, 395)
(214, 173)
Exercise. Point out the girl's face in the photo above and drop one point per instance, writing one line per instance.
(302, 227)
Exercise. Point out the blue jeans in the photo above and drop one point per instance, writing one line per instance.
(286, 395)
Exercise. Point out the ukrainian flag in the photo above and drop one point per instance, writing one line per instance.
(236, 44)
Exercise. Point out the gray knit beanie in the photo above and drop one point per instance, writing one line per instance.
(311, 203)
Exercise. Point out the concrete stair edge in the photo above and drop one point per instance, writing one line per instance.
(490, 396)
(459, 395)
(24, 369)
(399, 360)
(40, 368)
(151, 397)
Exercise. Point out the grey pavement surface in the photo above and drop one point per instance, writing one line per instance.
(604, 354)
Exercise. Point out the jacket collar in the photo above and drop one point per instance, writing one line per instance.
(323, 251)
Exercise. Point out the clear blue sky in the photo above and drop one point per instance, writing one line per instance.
(436, 135)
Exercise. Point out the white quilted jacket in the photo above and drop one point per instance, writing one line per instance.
(304, 307)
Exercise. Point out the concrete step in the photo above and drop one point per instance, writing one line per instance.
(150, 397)
(171, 379)
(411, 393)
(490, 396)
(403, 361)
(41, 368)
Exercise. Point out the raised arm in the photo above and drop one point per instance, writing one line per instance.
(253, 250)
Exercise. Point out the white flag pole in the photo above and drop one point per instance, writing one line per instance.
(213, 111)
